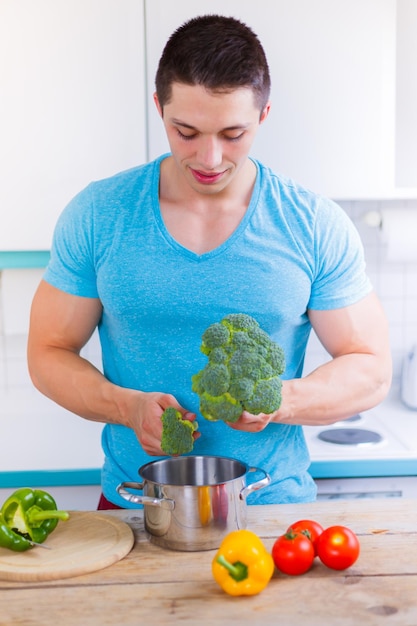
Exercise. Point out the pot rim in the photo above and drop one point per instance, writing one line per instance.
(173, 460)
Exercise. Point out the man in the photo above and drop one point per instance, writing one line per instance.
(154, 255)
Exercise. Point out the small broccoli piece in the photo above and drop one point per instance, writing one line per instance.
(243, 370)
(177, 433)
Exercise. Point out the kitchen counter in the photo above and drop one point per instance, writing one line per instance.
(154, 585)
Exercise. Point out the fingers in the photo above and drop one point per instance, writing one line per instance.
(251, 423)
(149, 425)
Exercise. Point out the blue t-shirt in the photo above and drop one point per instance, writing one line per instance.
(293, 250)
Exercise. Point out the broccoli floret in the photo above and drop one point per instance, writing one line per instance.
(218, 355)
(239, 321)
(215, 379)
(243, 370)
(223, 407)
(266, 396)
(215, 336)
(275, 358)
(177, 433)
(242, 389)
(246, 364)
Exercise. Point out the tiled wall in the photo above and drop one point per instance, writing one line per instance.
(396, 284)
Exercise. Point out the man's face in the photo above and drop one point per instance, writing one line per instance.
(210, 134)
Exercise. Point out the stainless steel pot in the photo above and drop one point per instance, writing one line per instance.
(191, 502)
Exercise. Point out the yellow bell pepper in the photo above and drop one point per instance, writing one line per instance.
(242, 565)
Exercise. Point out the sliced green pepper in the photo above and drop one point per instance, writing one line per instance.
(10, 539)
(28, 515)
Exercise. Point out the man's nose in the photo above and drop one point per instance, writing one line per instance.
(210, 152)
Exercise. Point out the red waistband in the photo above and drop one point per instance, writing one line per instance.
(105, 505)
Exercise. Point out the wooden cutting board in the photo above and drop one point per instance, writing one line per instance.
(85, 543)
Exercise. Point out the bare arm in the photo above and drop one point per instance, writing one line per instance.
(357, 377)
(60, 325)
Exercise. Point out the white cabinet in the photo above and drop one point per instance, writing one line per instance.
(76, 83)
(332, 63)
(406, 111)
(72, 106)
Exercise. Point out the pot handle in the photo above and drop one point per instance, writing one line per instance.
(163, 503)
(263, 482)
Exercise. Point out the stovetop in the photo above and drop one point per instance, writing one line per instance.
(381, 441)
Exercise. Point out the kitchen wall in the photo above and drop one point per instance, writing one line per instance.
(395, 283)
(90, 32)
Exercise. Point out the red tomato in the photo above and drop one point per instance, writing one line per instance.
(309, 528)
(293, 553)
(338, 547)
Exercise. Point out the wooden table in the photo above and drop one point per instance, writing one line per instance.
(156, 586)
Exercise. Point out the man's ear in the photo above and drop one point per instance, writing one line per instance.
(158, 105)
(265, 112)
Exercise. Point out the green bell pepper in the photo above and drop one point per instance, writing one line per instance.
(28, 515)
(10, 539)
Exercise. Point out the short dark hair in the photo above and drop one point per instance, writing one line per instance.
(220, 53)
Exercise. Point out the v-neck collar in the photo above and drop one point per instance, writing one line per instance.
(186, 252)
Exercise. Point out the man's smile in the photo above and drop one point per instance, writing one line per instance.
(207, 178)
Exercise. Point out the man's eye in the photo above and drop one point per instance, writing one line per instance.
(236, 138)
(185, 137)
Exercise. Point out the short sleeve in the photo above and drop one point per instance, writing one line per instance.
(340, 270)
(71, 267)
